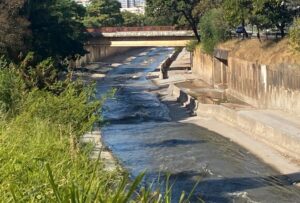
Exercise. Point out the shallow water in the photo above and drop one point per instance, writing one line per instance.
(143, 137)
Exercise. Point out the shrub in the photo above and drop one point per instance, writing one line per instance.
(191, 45)
(11, 90)
(44, 132)
(213, 30)
(294, 35)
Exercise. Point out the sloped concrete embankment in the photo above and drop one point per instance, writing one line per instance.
(100, 150)
(281, 135)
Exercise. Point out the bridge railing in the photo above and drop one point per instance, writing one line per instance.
(132, 29)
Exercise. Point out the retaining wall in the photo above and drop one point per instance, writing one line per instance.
(203, 66)
(96, 53)
(275, 87)
(263, 86)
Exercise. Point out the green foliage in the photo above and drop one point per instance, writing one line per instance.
(35, 74)
(213, 30)
(44, 129)
(11, 90)
(237, 12)
(261, 13)
(294, 34)
(133, 19)
(124, 192)
(56, 28)
(191, 46)
(160, 13)
(174, 12)
(272, 13)
(103, 13)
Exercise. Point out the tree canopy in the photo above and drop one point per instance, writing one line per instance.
(103, 13)
(56, 28)
(182, 13)
(214, 29)
(133, 19)
(261, 13)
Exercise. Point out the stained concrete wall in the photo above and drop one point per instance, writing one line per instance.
(274, 87)
(203, 65)
(210, 69)
(96, 53)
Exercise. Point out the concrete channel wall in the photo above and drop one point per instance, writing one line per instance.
(96, 53)
(263, 86)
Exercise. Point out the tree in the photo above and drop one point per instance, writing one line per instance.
(213, 29)
(294, 35)
(160, 13)
(238, 12)
(133, 19)
(13, 28)
(103, 13)
(184, 13)
(277, 12)
(56, 28)
(259, 17)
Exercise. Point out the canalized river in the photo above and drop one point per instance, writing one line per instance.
(143, 136)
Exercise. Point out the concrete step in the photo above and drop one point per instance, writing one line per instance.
(275, 130)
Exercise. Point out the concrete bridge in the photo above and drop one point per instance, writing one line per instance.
(149, 36)
(108, 41)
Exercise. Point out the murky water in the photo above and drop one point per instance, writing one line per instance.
(143, 136)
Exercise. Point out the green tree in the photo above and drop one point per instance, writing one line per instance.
(276, 12)
(56, 28)
(294, 35)
(133, 19)
(213, 30)
(177, 11)
(103, 13)
(160, 13)
(13, 28)
(259, 17)
(238, 12)
(184, 13)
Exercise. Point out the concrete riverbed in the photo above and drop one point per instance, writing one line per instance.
(148, 130)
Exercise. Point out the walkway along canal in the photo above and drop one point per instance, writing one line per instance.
(145, 133)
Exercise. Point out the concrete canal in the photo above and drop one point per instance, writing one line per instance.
(147, 134)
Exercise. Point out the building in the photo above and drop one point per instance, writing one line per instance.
(132, 3)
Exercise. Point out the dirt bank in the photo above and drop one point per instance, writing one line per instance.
(264, 52)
